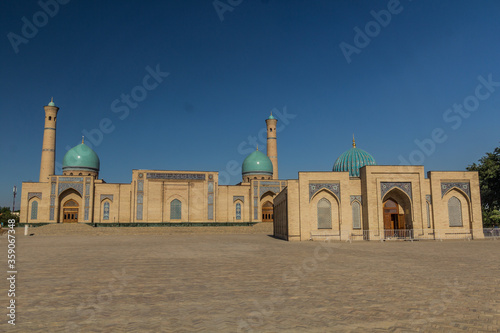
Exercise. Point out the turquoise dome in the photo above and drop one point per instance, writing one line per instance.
(257, 162)
(81, 157)
(352, 160)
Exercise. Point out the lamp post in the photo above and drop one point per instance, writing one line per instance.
(14, 192)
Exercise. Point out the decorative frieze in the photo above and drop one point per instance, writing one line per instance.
(34, 194)
(71, 179)
(255, 209)
(140, 189)
(210, 200)
(76, 186)
(139, 212)
(255, 203)
(107, 196)
(52, 198)
(238, 197)
(274, 189)
(87, 203)
(446, 186)
(211, 212)
(356, 198)
(178, 176)
(316, 187)
(269, 183)
(403, 186)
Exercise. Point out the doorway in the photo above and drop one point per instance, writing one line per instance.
(267, 212)
(70, 211)
(394, 220)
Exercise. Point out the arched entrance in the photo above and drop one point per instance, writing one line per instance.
(267, 212)
(70, 211)
(397, 216)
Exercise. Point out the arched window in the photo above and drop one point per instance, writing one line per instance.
(238, 211)
(455, 212)
(356, 215)
(175, 210)
(34, 210)
(324, 214)
(428, 215)
(105, 214)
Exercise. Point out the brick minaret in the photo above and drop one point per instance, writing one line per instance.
(272, 148)
(47, 165)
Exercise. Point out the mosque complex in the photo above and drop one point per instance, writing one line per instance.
(358, 199)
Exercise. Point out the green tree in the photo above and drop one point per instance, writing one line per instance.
(6, 215)
(488, 168)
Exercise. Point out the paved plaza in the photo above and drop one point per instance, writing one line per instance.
(161, 280)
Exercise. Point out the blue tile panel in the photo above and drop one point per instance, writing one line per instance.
(446, 186)
(315, 187)
(387, 186)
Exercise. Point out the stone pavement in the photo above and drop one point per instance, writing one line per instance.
(250, 283)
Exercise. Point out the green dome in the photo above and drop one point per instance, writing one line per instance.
(352, 160)
(257, 162)
(271, 117)
(81, 157)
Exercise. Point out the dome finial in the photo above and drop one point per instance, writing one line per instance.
(353, 141)
(51, 103)
(257, 147)
(83, 139)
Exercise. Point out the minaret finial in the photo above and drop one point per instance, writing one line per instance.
(353, 141)
(257, 146)
(83, 139)
(52, 99)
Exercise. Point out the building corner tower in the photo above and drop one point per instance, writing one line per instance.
(47, 165)
(272, 148)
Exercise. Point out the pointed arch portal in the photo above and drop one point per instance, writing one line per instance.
(267, 212)
(397, 215)
(70, 211)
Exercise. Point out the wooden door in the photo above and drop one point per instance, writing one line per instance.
(390, 210)
(401, 221)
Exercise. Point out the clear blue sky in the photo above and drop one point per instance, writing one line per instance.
(225, 76)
